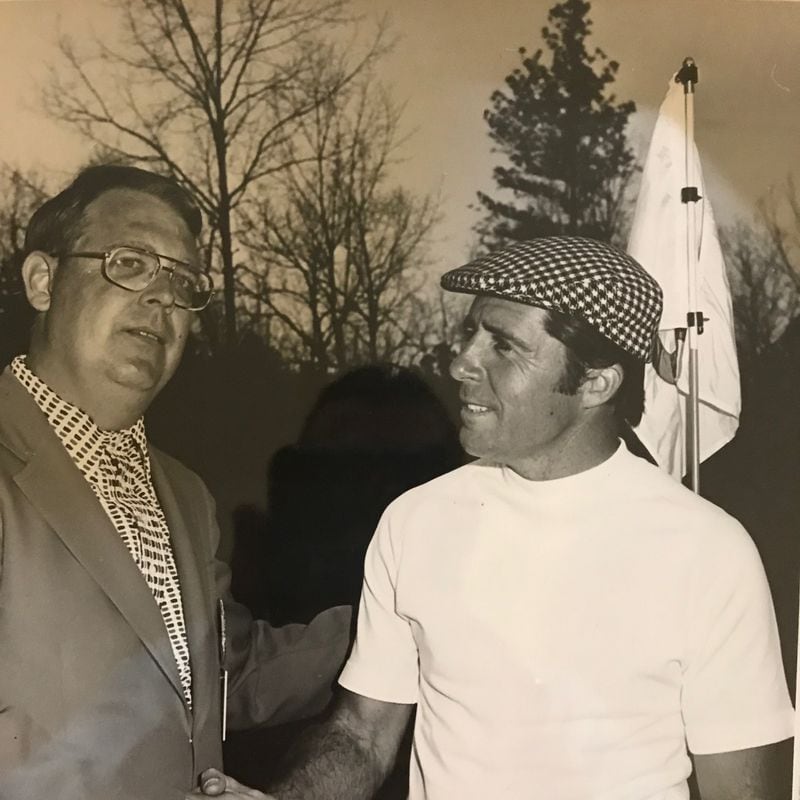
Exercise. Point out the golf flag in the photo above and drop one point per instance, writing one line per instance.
(658, 241)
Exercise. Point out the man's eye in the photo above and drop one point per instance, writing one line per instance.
(184, 281)
(500, 344)
(465, 333)
(130, 263)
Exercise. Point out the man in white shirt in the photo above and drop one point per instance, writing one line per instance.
(568, 621)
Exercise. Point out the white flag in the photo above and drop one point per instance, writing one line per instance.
(658, 243)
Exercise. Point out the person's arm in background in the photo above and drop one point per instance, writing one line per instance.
(276, 674)
(345, 758)
(351, 753)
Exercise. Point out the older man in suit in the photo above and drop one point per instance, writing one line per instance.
(116, 624)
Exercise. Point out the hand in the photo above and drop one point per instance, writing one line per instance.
(214, 783)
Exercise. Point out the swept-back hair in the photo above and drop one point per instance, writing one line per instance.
(56, 225)
(588, 349)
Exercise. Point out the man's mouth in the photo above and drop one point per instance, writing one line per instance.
(475, 408)
(148, 334)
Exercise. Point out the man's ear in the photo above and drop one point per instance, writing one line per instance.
(601, 384)
(37, 275)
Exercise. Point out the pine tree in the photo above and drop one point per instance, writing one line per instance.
(564, 136)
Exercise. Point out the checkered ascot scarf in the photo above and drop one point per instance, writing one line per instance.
(117, 466)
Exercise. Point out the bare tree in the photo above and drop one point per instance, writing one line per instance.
(766, 296)
(209, 92)
(21, 195)
(343, 250)
(780, 212)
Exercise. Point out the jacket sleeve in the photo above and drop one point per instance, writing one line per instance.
(277, 674)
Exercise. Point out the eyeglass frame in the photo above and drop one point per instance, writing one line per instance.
(105, 257)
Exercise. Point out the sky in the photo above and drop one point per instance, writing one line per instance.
(450, 55)
(747, 108)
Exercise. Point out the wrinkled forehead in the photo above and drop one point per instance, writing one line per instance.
(137, 218)
(521, 322)
(488, 305)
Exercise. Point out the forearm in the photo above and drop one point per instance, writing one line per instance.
(332, 762)
(756, 773)
(279, 674)
(286, 673)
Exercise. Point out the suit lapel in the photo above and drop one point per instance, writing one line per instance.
(54, 485)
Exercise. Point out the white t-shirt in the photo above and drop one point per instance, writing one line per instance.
(567, 638)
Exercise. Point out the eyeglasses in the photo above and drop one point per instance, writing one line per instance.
(134, 269)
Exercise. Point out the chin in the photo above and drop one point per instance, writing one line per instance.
(140, 377)
(473, 445)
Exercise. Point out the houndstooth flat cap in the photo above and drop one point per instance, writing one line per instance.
(583, 278)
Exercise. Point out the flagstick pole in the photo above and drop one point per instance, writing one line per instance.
(689, 196)
(687, 75)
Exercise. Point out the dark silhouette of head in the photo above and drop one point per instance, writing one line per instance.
(372, 434)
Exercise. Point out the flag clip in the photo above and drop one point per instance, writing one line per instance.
(689, 194)
(696, 318)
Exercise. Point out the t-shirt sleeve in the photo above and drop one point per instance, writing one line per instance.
(384, 663)
(734, 691)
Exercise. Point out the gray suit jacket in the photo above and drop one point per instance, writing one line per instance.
(91, 706)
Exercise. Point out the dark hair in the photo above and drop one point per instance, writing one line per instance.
(381, 407)
(373, 434)
(56, 225)
(588, 349)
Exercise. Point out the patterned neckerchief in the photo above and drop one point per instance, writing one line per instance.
(117, 466)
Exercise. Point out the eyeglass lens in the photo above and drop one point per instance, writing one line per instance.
(136, 270)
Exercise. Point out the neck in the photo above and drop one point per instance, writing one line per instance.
(579, 449)
(113, 411)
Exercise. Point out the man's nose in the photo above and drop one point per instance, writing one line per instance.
(161, 291)
(465, 366)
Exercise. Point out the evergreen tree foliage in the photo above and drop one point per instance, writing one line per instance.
(564, 136)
